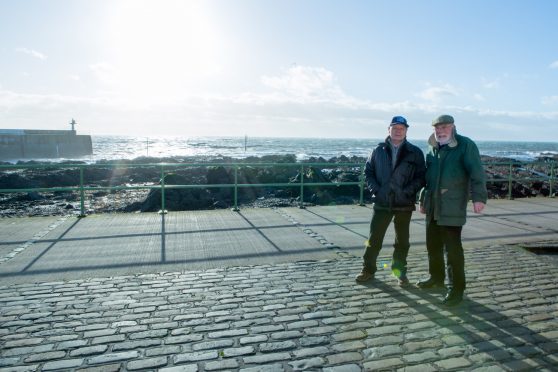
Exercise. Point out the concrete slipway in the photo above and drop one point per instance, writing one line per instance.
(271, 289)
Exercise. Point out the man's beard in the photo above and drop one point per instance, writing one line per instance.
(444, 141)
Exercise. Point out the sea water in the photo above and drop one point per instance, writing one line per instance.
(130, 147)
(303, 148)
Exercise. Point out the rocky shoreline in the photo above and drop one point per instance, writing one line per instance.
(215, 172)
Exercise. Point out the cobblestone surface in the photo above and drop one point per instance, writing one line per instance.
(284, 317)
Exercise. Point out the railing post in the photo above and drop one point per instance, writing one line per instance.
(361, 201)
(301, 206)
(510, 182)
(81, 193)
(163, 210)
(235, 208)
(551, 178)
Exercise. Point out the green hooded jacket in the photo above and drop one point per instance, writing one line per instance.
(454, 174)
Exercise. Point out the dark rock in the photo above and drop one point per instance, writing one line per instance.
(176, 179)
(178, 200)
(219, 204)
(219, 175)
(16, 181)
(178, 173)
(30, 196)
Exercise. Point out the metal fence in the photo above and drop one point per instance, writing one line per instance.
(536, 172)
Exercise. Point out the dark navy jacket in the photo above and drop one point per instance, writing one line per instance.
(396, 188)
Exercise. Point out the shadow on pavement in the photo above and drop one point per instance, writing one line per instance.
(484, 330)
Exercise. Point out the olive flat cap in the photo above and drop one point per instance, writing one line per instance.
(443, 119)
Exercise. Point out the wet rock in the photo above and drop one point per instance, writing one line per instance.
(105, 173)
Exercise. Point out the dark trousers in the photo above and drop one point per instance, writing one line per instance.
(438, 237)
(378, 227)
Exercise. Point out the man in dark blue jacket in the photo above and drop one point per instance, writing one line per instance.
(394, 172)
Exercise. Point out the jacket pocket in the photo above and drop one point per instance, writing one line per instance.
(453, 204)
(382, 195)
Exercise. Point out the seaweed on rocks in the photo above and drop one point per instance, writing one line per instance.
(259, 185)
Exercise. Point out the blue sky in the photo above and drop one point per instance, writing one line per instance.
(288, 68)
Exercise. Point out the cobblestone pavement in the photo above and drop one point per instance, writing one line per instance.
(289, 316)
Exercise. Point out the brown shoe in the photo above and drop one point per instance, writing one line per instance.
(364, 276)
(403, 281)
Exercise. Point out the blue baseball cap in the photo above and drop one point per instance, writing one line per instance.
(399, 120)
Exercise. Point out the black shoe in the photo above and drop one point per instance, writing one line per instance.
(430, 283)
(453, 298)
(364, 276)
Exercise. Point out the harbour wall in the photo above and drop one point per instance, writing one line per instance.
(37, 144)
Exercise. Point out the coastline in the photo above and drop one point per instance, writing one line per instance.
(210, 171)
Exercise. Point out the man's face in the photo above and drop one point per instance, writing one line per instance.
(443, 132)
(397, 133)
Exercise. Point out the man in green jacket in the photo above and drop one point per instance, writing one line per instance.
(454, 174)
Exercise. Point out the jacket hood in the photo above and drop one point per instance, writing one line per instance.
(452, 143)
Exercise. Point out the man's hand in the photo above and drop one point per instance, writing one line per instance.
(478, 207)
(421, 209)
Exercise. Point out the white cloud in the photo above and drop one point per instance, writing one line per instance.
(490, 84)
(523, 115)
(12, 100)
(550, 100)
(438, 93)
(104, 72)
(479, 97)
(306, 84)
(554, 64)
(32, 53)
(300, 101)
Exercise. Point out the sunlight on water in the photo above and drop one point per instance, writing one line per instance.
(302, 148)
(131, 147)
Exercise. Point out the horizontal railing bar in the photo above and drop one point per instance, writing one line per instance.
(178, 165)
(182, 165)
(167, 169)
(155, 187)
(520, 179)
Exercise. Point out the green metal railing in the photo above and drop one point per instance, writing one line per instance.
(165, 169)
(550, 177)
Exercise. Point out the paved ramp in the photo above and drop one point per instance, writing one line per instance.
(502, 222)
(37, 249)
(220, 290)
(66, 248)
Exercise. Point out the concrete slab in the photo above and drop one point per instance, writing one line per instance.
(16, 232)
(123, 244)
(50, 249)
(503, 221)
(343, 226)
(509, 221)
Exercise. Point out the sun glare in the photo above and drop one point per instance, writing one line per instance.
(166, 47)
